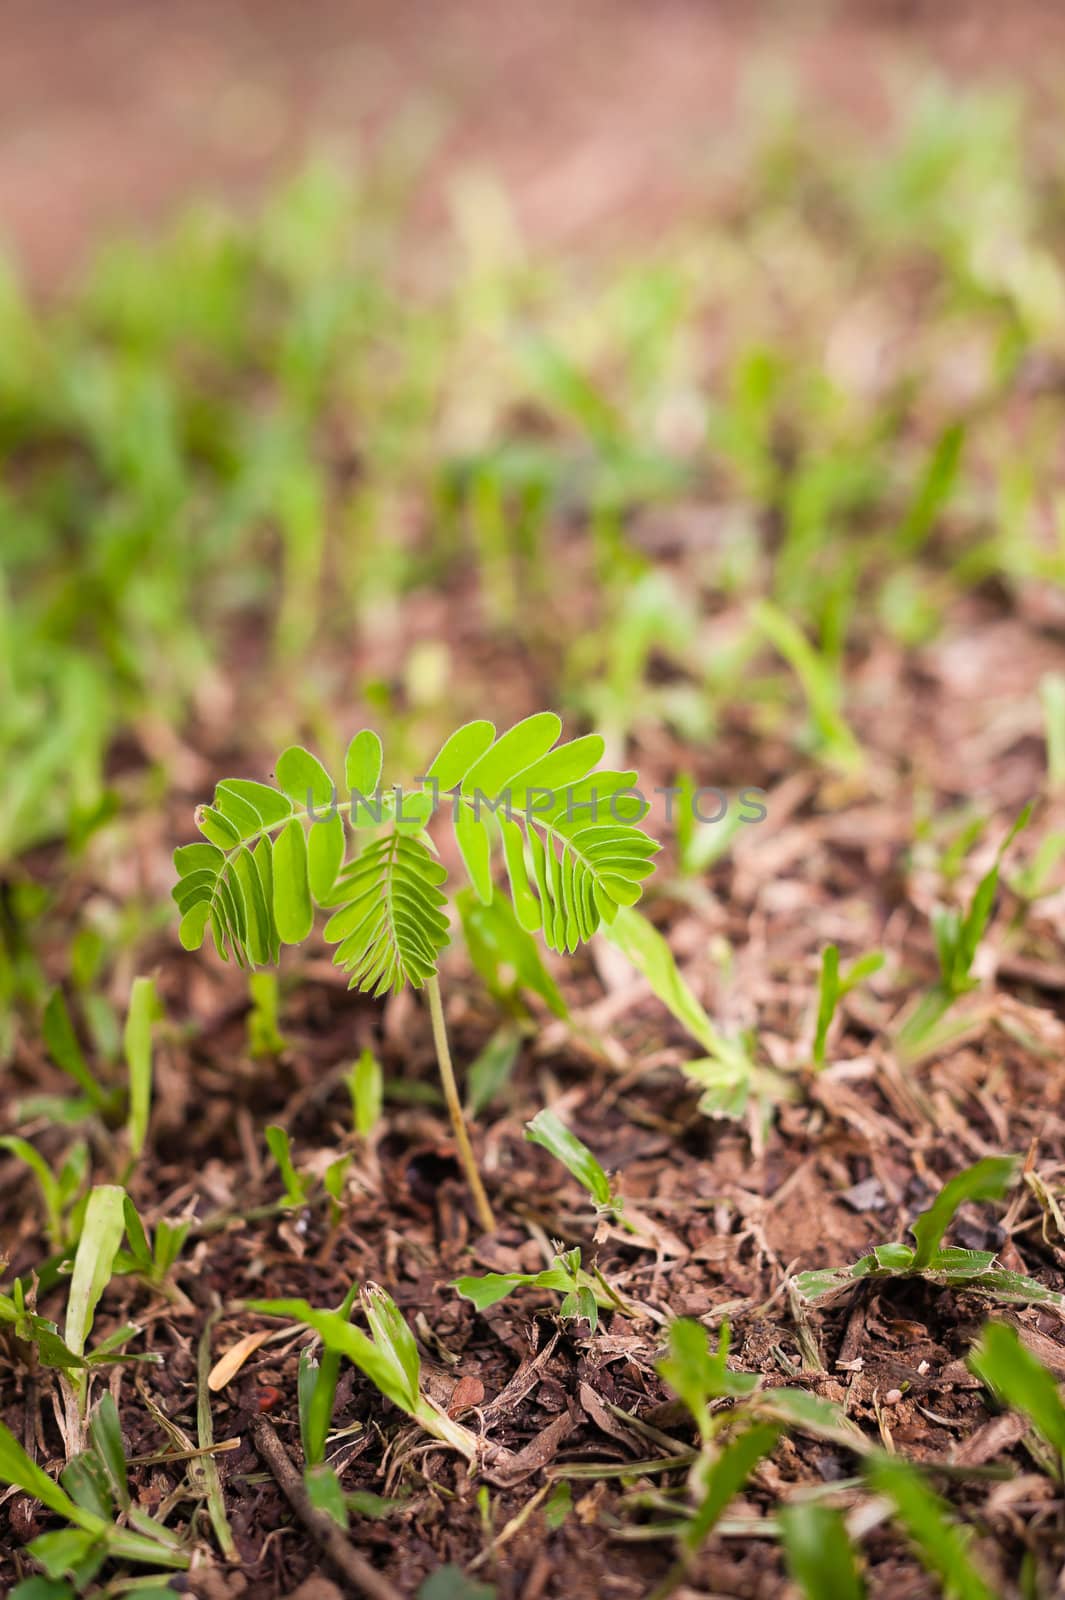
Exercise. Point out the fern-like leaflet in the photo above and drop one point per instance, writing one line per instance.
(570, 840)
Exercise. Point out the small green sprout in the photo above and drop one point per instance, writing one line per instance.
(366, 1086)
(137, 1039)
(1052, 694)
(821, 677)
(264, 1019)
(739, 1422)
(316, 1391)
(941, 1544)
(152, 1256)
(66, 1052)
(582, 1293)
(957, 937)
(62, 1193)
(296, 1187)
(727, 1075)
(505, 955)
(94, 1262)
(950, 1267)
(699, 1374)
(387, 1355)
(818, 1552)
(551, 1134)
(107, 1101)
(1022, 1382)
(834, 987)
(94, 1499)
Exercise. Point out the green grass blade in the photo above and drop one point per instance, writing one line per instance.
(819, 1554)
(101, 1235)
(207, 1466)
(143, 1007)
(18, 1469)
(552, 1135)
(985, 1180)
(65, 1051)
(940, 1542)
(724, 1477)
(1020, 1381)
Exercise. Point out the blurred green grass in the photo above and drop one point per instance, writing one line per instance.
(816, 414)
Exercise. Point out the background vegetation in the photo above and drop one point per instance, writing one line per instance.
(771, 501)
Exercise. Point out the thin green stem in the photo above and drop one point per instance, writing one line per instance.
(454, 1106)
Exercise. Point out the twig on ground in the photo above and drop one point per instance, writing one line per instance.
(347, 1560)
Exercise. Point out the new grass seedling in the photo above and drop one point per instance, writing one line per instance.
(152, 1255)
(833, 987)
(92, 1498)
(366, 1085)
(568, 829)
(957, 937)
(94, 1262)
(583, 1292)
(818, 1552)
(700, 844)
(727, 1075)
(296, 1187)
(951, 1267)
(143, 1009)
(739, 1424)
(387, 1355)
(1052, 695)
(316, 1390)
(505, 956)
(822, 682)
(109, 1102)
(29, 1337)
(62, 1193)
(66, 1052)
(551, 1134)
(1022, 1382)
(941, 1544)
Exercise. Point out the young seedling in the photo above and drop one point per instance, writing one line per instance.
(941, 1544)
(819, 1554)
(1052, 694)
(109, 1102)
(264, 1019)
(507, 958)
(957, 938)
(570, 838)
(699, 1374)
(822, 681)
(834, 987)
(93, 1498)
(551, 1134)
(739, 1423)
(727, 1075)
(316, 1387)
(296, 1187)
(1023, 1383)
(94, 1262)
(950, 1267)
(388, 1356)
(152, 1256)
(62, 1193)
(143, 1009)
(66, 1052)
(582, 1293)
